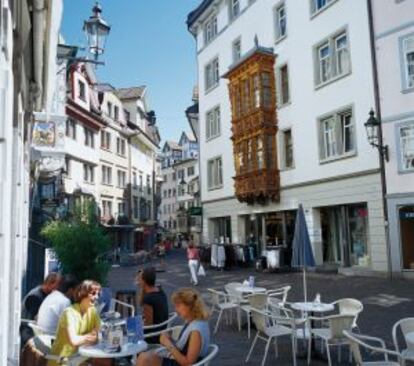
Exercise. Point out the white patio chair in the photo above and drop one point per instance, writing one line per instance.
(212, 353)
(221, 302)
(286, 316)
(255, 301)
(37, 330)
(333, 335)
(269, 328)
(166, 325)
(406, 326)
(279, 295)
(115, 302)
(349, 306)
(358, 341)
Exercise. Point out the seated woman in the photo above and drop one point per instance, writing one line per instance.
(194, 340)
(79, 324)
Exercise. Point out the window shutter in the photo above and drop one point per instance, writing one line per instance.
(339, 135)
(322, 147)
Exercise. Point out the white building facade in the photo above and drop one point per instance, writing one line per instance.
(394, 42)
(322, 59)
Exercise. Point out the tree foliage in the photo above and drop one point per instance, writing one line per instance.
(80, 244)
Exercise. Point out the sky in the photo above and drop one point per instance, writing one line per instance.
(149, 44)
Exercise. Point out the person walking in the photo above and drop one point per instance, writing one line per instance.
(193, 257)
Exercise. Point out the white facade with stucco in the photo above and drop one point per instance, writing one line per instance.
(351, 181)
(394, 41)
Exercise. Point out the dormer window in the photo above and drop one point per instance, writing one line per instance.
(210, 30)
(109, 109)
(116, 113)
(81, 90)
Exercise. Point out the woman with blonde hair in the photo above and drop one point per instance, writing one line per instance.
(79, 324)
(194, 339)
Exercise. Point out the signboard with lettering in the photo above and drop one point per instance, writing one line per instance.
(195, 211)
(406, 215)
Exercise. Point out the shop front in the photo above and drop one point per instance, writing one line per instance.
(345, 235)
(406, 216)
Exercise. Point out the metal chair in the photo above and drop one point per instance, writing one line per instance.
(166, 325)
(212, 353)
(357, 341)
(333, 335)
(255, 301)
(349, 306)
(222, 302)
(119, 303)
(279, 294)
(270, 328)
(406, 326)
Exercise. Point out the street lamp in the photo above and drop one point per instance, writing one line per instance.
(374, 135)
(97, 30)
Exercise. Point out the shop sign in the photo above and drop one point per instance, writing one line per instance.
(195, 211)
(407, 215)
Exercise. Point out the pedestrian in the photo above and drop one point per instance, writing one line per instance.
(194, 340)
(55, 303)
(193, 257)
(153, 300)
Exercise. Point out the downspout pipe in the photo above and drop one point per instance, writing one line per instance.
(377, 100)
(38, 50)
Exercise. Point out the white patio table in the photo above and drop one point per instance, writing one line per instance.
(127, 349)
(245, 289)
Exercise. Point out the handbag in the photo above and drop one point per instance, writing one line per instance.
(201, 271)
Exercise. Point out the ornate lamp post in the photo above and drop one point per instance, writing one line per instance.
(374, 135)
(375, 138)
(97, 30)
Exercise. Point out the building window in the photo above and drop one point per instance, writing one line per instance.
(280, 21)
(136, 206)
(236, 50)
(106, 208)
(190, 171)
(287, 145)
(165, 193)
(174, 176)
(234, 8)
(210, 30)
(174, 192)
(88, 173)
(212, 74)
(121, 208)
(317, 5)
(71, 128)
(120, 146)
(116, 113)
(81, 90)
(68, 165)
(140, 182)
(148, 184)
(106, 140)
(332, 58)
(135, 179)
(106, 175)
(165, 178)
(127, 115)
(180, 174)
(109, 108)
(213, 125)
(337, 135)
(407, 147)
(89, 137)
(214, 173)
(408, 61)
(284, 94)
(121, 179)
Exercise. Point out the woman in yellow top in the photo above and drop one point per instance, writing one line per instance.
(79, 324)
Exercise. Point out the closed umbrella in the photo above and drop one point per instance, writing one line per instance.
(302, 256)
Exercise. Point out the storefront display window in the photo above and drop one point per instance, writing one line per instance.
(358, 223)
(407, 236)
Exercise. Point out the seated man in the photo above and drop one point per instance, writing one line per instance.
(153, 301)
(32, 301)
(55, 303)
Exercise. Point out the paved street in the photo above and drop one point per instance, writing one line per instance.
(384, 303)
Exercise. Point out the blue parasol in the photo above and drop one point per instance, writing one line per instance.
(302, 256)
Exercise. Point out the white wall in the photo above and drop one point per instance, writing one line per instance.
(307, 104)
(394, 21)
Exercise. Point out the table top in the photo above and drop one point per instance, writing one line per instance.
(128, 349)
(312, 307)
(250, 290)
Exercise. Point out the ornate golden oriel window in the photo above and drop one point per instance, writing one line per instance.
(254, 127)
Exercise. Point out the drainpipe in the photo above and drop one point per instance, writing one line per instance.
(380, 134)
(38, 54)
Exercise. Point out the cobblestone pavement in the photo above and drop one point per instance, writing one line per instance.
(384, 302)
